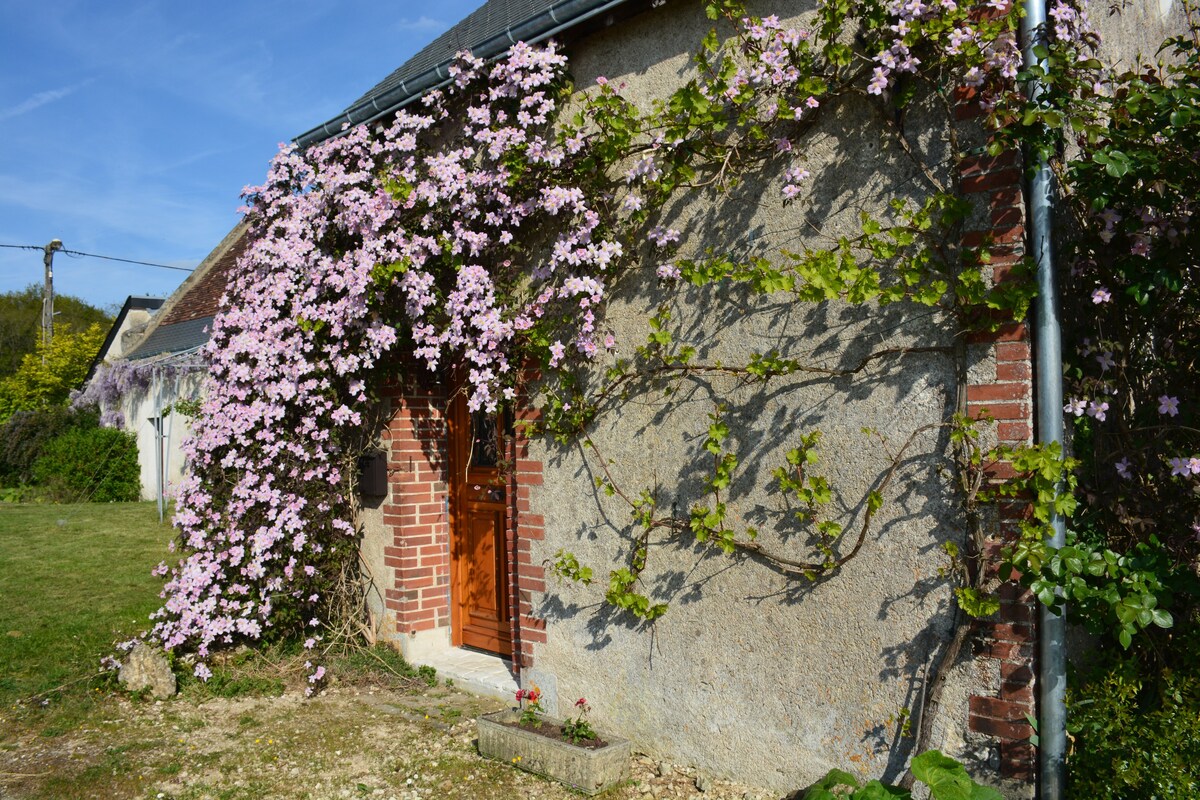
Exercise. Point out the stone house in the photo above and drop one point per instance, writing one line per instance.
(131, 320)
(754, 673)
(158, 354)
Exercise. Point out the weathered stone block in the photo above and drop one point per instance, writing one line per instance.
(147, 668)
(591, 771)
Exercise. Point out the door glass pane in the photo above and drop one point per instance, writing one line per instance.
(485, 441)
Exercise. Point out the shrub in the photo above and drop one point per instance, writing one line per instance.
(25, 435)
(96, 464)
(47, 376)
(1135, 719)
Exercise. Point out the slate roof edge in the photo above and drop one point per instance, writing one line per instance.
(538, 28)
(231, 238)
(177, 339)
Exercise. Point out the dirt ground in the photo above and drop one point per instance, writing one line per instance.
(349, 742)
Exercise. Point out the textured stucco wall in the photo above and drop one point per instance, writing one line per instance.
(377, 576)
(755, 674)
(138, 407)
(1136, 28)
(135, 321)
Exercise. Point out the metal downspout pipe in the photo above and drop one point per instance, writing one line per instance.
(1052, 679)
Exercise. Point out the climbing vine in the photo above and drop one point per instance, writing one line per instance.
(118, 379)
(489, 226)
(1130, 260)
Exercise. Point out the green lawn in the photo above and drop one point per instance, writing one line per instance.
(73, 580)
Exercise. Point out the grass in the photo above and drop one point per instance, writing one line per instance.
(75, 579)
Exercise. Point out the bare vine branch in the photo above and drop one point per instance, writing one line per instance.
(810, 568)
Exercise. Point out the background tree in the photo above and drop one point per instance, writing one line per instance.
(46, 376)
(20, 322)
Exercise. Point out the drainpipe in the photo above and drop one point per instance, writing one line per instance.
(170, 425)
(157, 424)
(1052, 679)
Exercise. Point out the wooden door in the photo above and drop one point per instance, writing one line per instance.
(478, 555)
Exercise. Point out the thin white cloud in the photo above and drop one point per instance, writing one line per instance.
(144, 210)
(40, 99)
(420, 24)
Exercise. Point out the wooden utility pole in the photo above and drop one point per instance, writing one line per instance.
(48, 295)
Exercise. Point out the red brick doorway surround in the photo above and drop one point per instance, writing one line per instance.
(417, 588)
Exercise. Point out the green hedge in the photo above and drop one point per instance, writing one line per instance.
(90, 464)
(1135, 722)
(25, 435)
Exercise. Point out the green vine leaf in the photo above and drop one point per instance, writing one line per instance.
(948, 779)
(976, 603)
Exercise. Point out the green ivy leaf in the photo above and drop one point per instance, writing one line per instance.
(832, 780)
(948, 779)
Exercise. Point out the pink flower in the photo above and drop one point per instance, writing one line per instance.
(663, 236)
(1101, 295)
(1168, 405)
(879, 81)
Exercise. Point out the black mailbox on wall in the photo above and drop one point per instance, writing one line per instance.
(372, 474)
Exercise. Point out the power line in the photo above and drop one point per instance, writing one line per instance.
(78, 254)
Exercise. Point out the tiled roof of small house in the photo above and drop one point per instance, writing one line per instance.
(184, 321)
(204, 295)
(174, 338)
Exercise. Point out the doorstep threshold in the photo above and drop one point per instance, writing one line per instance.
(480, 673)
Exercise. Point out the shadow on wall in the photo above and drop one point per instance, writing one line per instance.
(665, 420)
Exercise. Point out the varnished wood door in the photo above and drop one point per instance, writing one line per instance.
(478, 556)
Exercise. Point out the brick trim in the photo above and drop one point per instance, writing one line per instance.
(418, 592)
(415, 511)
(524, 528)
(1007, 640)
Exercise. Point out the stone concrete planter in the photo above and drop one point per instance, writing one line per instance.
(591, 771)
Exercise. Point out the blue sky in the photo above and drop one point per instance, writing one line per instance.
(129, 129)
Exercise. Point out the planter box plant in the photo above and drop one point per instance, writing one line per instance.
(523, 738)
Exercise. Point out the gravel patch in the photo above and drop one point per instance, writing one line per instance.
(348, 742)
